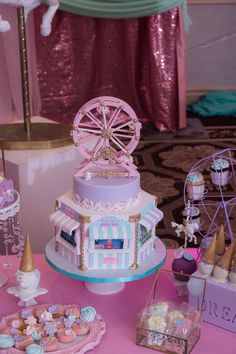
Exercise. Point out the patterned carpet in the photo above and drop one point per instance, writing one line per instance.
(164, 164)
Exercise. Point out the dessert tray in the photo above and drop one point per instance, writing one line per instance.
(79, 345)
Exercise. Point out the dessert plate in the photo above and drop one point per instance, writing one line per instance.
(80, 345)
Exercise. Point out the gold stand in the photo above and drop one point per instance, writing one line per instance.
(27, 135)
(42, 136)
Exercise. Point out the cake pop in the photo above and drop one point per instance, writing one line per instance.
(221, 269)
(208, 260)
(27, 278)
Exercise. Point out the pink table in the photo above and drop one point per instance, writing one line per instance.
(119, 311)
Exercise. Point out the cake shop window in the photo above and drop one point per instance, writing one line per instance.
(144, 235)
(109, 244)
(69, 237)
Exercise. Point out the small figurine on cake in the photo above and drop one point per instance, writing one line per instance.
(27, 278)
(220, 172)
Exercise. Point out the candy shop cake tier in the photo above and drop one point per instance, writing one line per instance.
(103, 240)
(106, 221)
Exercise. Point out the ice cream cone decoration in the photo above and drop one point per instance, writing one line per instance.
(225, 261)
(27, 279)
(233, 260)
(221, 269)
(210, 252)
(27, 261)
(220, 244)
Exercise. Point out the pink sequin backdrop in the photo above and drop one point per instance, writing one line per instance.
(139, 60)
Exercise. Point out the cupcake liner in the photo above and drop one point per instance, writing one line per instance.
(220, 178)
(196, 191)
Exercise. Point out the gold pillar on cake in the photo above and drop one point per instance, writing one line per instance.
(135, 219)
(83, 220)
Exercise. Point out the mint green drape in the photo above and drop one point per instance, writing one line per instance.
(118, 9)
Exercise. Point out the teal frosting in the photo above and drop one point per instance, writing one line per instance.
(36, 336)
(34, 349)
(6, 341)
(123, 8)
(220, 164)
(88, 314)
(194, 177)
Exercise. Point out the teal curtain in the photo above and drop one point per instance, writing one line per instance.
(116, 9)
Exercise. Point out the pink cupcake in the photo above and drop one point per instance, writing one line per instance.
(6, 330)
(39, 310)
(81, 329)
(21, 342)
(73, 310)
(49, 344)
(56, 310)
(66, 335)
(15, 322)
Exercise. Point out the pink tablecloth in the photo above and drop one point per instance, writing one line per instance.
(119, 311)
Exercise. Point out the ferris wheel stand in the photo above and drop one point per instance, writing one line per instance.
(106, 281)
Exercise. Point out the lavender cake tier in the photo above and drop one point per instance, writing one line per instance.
(98, 193)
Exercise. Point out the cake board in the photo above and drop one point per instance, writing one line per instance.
(109, 281)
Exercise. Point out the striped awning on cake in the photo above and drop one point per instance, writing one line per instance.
(100, 231)
(151, 219)
(63, 221)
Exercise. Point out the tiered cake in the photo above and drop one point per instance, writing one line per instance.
(106, 221)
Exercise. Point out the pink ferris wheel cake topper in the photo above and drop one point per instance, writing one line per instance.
(115, 129)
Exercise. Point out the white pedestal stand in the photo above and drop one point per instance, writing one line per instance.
(106, 281)
(104, 288)
(40, 176)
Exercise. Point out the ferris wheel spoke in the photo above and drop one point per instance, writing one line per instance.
(119, 141)
(104, 117)
(126, 131)
(122, 126)
(88, 124)
(98, 146)
(119, 145)
(93, 131)
(123, 135)
(114, 117)
(94, 119)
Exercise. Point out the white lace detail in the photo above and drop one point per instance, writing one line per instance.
(10, 210)
(105, 206)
